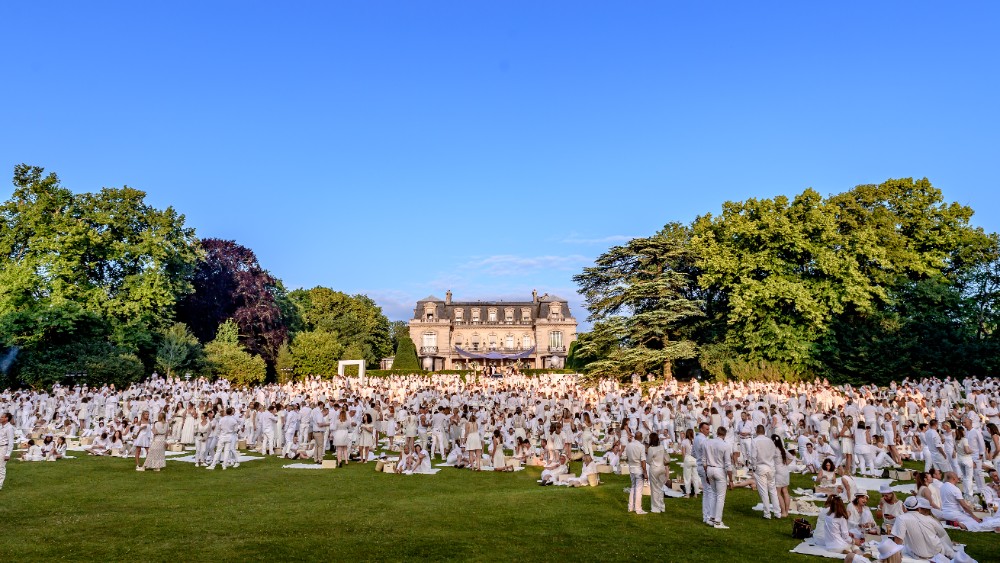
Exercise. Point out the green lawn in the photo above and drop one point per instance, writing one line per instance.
(101, 509)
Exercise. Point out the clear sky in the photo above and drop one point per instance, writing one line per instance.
(400, 149)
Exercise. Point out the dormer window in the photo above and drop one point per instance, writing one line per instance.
(508, 315)
(555, 311)
(525, 315)
(459, 315)
(493, 315)
(475, 315)
(430, 311)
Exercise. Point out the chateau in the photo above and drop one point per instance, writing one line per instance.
(462, 334)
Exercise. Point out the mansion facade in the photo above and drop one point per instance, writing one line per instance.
(533, 334)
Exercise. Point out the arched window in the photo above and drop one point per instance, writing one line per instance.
(509, 342)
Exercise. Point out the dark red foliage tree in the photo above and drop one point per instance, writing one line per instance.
(229, 283)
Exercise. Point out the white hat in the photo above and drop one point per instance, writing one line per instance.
(923, 503)
(910, 503)
(885, 490)
(887, 548)
(857, 534)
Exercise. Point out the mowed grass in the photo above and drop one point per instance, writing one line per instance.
(101, 509)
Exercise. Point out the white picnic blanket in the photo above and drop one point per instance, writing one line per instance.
(805, 549)
(303, 466)
(190, 459)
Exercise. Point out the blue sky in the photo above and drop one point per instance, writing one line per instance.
(400, 149)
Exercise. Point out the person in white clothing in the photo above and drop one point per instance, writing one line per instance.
(225, 451)
(6, 444)
(763, 456)
(635, 456)
(719, 470)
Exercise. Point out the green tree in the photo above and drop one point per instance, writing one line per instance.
(316, 352)
(641, 306)
(106, 258)
(406, 354)
(179, 349)
(355, 319)
(227, 358)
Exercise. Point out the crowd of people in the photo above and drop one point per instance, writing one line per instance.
(720, 434)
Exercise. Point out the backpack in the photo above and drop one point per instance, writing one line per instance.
(801, 529)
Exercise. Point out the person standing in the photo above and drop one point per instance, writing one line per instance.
(201, 432)
(762, 457)
(656, 464)
(156, 457)
(144, 438)
(6, 444)
(708, 495)
(635, 456)
(320, 424)
(224, 450)
(719, 470)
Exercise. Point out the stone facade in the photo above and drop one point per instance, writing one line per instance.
(505, 328)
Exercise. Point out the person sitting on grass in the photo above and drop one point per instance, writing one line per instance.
(100, 445)
(58, 450)
(420, 462)
(859, 516)
(33, 453)
(552, 471)
(117, 447)
(589, 468)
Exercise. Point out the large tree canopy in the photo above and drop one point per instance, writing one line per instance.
(100, 272)
(358, 323)
(229, 283)
(881, 281)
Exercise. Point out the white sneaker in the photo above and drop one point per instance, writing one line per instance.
(641, 512)
(139, 468)
(236, 465)
(721, 526)
(209, 467)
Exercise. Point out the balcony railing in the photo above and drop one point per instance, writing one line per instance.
(557, 348)
(503, 349)
(493, 323)
(425, 350)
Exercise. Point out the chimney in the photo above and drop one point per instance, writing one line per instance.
(534, 296)
(447, 297)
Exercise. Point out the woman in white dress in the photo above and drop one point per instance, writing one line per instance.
(474, 444)
(847, 444)
(389, 426)
(143, 438)
(190, 421)
(420, 461)
(342, 437)
(410, 430)
(177, 423)
(366, 437)
(499, 460)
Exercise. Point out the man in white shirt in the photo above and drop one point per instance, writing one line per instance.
(635, 455)
(6, 444)
(922, 535)
(438, 442)
(762, 458)
(719, 470)
(225, 448)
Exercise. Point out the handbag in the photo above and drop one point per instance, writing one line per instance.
(801, 529)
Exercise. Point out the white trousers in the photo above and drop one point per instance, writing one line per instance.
(225, 452)
(692, 482)
(438, 443)
(200, 450)
(707, 497)
(657, 480)
(717, 484)
(763, 475)
(3, 471)
(268, 443)
(635, 493)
